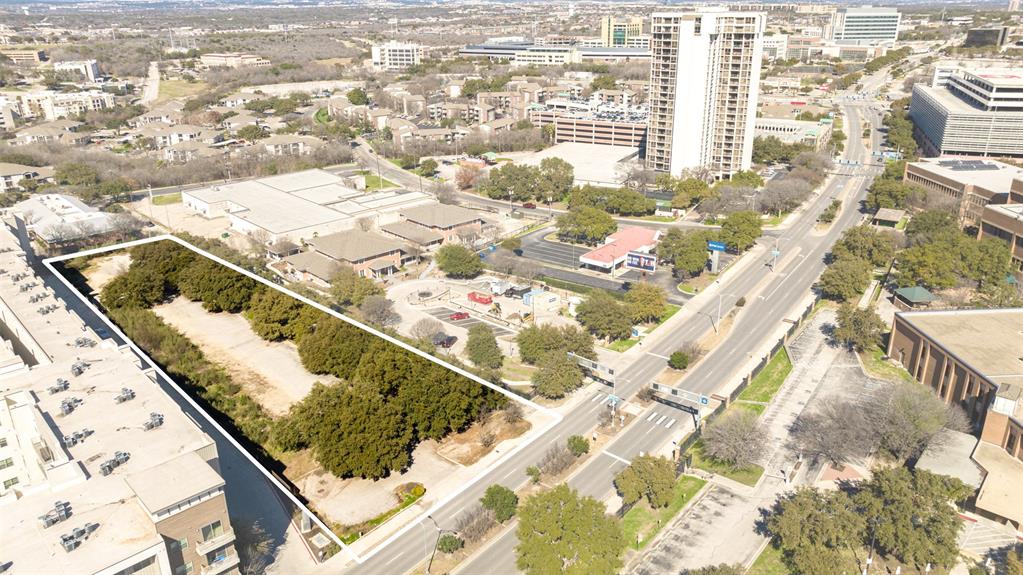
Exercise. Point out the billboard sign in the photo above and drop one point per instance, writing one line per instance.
(716, 246)
(641, 261)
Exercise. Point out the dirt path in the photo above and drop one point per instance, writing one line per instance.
(271, 372)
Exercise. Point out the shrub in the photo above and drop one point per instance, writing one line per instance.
(679, 360)
(449, 543)
(534, 474)
(578, 445)
(501, 500)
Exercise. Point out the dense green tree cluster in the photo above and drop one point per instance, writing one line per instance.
(604, 316)
(557, 375)
(552, 179)
(858, 329)
(351, 289)
(481, 347)
(367, 425)
(890, 57)
(900, 128)
(739, 231)
(647, 477)
(685, 191)
(685, 250)
(501, 500)
(771, 150)
(587, 225)
(854, 256)
(458, 261)
(618, 201)
(562, 532)
(645, 302)
(536, 341)
(907, 512)
(940, 255)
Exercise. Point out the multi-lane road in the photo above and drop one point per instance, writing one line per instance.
(771, 297)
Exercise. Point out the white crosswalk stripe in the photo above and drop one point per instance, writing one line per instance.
(652, 415)
(670, 423)
(663, 417)
(596, 397)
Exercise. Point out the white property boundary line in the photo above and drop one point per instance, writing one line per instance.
(48, 262)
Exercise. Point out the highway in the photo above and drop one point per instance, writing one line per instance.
(771, 298)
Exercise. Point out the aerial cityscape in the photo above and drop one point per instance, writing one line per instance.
(501, 288)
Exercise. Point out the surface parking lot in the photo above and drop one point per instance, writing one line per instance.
(556, 253)
(444, 313)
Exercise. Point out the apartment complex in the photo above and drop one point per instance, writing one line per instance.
(618, 32)
(704, 80)
(87, 69)
(971, 358)
(51, 105)
(865, 25)
(970, 184)
(975, 112)
(101, 470)
(395, 56)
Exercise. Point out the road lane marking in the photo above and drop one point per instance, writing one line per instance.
(669, 424)
(663, 417)
(652, 415)
(395, 558)
(658, 355)
(596, 397)
(612, 455)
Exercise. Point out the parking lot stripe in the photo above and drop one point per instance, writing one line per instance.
(652, 415)
(669, 424)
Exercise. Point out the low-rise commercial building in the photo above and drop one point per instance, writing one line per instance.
(299, 206)
(452, 223)
(970, 112)
(971, 359)
(102, 471)
(613, 255)
(233, 60)
(1005, 222)
(816, 135)
(970, 184)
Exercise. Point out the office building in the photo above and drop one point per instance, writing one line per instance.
(776, 46)
(617, 32)
(816, 135)
(24, 57)
(971, 359)
(994, 36)
(547, 56)
(1005, 222)
(101, 470)
(233, 60)
(87, 69)
(704, 80)
(970, 112)
(865, 25)
(969, 184)
(396, 56)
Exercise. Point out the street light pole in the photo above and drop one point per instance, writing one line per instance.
(440, 532)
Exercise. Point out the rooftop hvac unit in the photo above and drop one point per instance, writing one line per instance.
(108, 466)
(60, 512)
(155, 420)
(71, 541)
(125, 395)
(77, 437)
(78, 368)
(69, 405)
(84, 342)
(61, 385)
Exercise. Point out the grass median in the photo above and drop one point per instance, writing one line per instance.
(642, 523)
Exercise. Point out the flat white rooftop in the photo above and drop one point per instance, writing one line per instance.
(593, 163)
(988, 174)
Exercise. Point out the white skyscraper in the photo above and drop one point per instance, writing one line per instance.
(704, 79)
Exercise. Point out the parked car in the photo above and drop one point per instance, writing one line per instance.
(529, 206)
(458, 315)
(444, 340)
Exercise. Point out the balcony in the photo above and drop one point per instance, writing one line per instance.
(204, 547)
(222, 566)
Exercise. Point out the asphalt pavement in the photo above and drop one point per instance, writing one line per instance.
(778, 293)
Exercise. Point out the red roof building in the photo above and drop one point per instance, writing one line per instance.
(613, 254)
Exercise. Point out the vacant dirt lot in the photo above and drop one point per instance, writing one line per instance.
(271, 372)
(102, 270)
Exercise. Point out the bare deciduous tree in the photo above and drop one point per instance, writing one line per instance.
(556, 460)
(379, 310)
(445, 193)
(467, 176)
(736, 438)
(837, 431)
(364, 224)
(426, 328)
(474, 524)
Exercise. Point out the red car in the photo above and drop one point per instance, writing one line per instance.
(529, 206)
(480, 298)
(458, 315)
